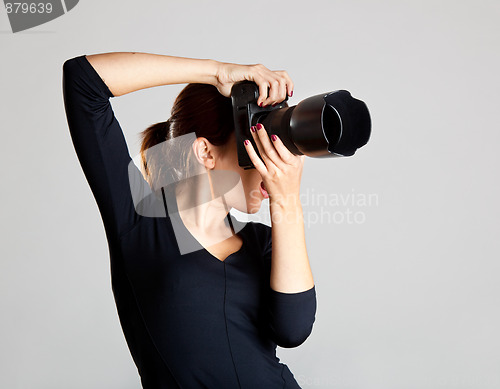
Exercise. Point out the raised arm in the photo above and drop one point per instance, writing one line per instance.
(125, 72)
(88, 84)
(292, 294)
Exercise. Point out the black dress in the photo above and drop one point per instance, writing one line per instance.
(190, 321)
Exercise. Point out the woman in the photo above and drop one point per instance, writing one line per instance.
(212, 317)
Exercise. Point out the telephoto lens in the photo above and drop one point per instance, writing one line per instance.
(333, 124)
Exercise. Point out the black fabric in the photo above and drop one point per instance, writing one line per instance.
(190, 321)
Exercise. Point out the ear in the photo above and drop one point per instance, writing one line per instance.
(204, 152)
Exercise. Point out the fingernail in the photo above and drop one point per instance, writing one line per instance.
(274, 105)
(246, 142)
(252, 128)
(291, 93)
(259, 126)
(273, 137)
(260, 104)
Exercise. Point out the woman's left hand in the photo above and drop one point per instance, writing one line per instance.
(281, 170)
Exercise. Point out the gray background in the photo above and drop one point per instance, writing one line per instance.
(407, 298)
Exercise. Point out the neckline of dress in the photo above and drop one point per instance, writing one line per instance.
(187, 234)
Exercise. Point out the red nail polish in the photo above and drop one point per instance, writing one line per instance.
(259, 126)
(260, 105)
(273, 137)
(274, 105)
(246, 142)
(291, 93)
(252, 128)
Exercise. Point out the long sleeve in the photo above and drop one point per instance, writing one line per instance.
(291, 315)
(100, 144)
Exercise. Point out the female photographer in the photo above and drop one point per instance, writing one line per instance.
(207, 318)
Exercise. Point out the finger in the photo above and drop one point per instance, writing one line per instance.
(269, 150)
(258, 141)
(282, 90)
(285, 154)
(273, 92)
(257, 162)
(280, 87)
(263, 87)
(289, 82)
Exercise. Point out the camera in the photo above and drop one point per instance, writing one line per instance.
(332, 124)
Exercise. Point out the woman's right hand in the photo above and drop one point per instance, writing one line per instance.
(278, 81)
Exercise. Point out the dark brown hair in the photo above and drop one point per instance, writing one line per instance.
(198, 108)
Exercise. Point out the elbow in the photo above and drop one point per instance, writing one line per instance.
(69, 71)
(291, 317)
(291, 339)
(290, 331)
(69, 66)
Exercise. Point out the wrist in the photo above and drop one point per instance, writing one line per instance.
(285, 202)
(288, 209)
(213, 69)
(287, 214)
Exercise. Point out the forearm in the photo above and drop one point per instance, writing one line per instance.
(290, 269)
(125, 72)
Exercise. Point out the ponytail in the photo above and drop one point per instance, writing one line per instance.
(152, 136)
